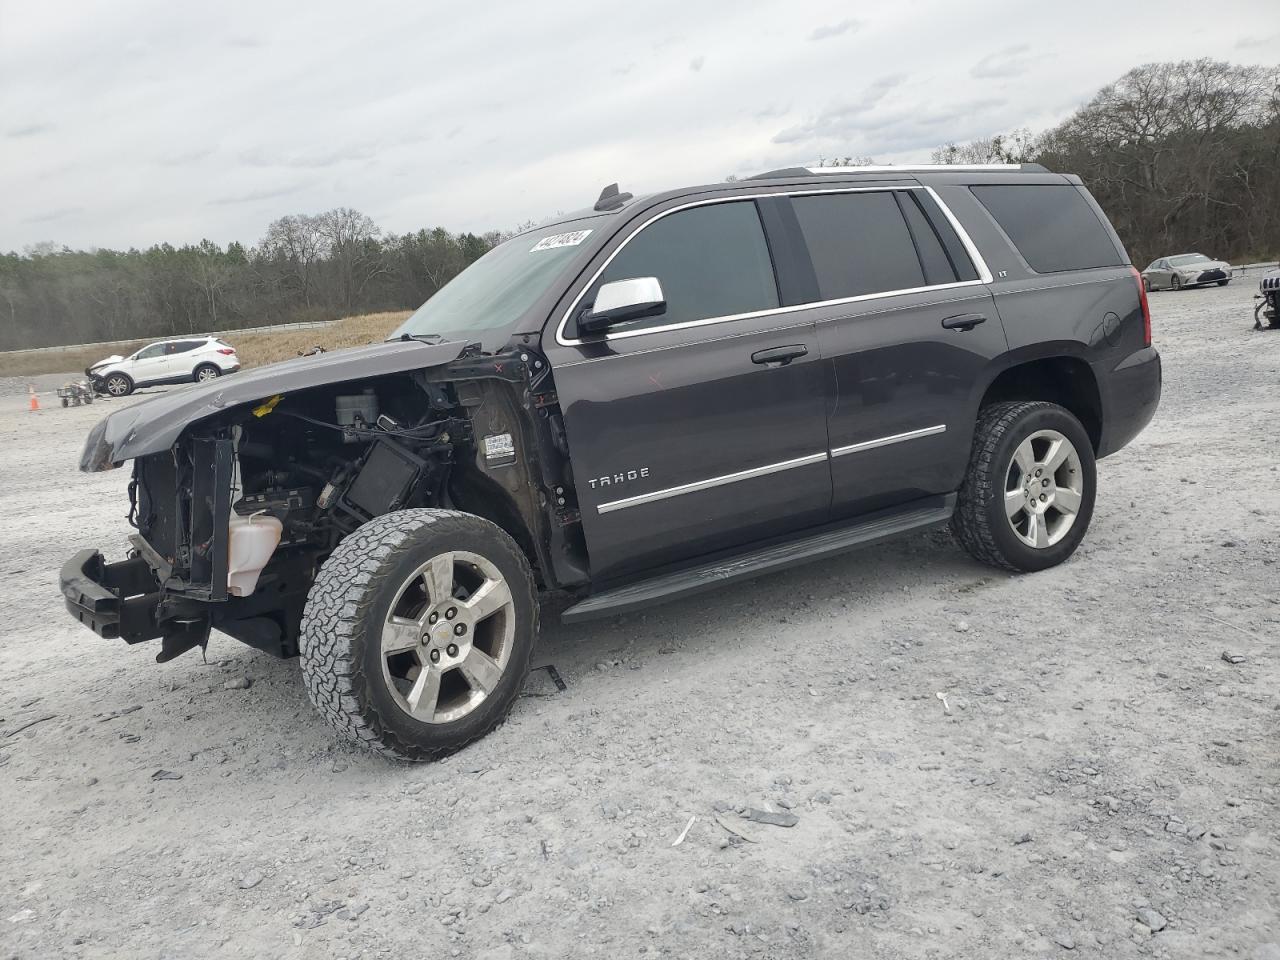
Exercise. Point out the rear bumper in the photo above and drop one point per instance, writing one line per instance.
(114, 600)
(1131, 396)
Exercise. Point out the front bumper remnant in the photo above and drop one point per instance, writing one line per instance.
(114, 600)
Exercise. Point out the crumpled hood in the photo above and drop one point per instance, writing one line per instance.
(114, 358)
(153, 425)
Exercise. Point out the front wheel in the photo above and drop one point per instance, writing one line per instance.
(1176, 283)
(118, 385)
(1028, 494)
(418, 632)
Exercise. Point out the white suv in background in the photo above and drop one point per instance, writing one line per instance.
(195, 359)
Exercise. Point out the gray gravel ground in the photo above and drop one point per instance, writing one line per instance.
(1100, 781)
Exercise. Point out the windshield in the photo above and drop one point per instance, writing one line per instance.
(1187, 258)
(496, 290)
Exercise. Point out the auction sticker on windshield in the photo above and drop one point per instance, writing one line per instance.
(561, 240)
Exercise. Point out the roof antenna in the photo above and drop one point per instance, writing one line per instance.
(611, 199)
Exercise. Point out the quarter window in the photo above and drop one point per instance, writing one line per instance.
(1053, 226)
(859, 244)
(712, 261)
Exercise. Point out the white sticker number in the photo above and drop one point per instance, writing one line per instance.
(561, 240)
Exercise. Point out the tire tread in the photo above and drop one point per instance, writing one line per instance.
(970, 522)
(336, 616)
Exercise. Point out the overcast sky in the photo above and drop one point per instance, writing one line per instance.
(131, 122)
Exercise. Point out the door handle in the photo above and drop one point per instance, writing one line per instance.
(964, 321)
(780, 355)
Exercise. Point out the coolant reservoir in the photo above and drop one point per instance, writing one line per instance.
(250, 544)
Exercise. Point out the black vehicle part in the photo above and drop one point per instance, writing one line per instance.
(812, 545)
(183, 635)
(114, 600)
(341, 639)
(610, 199)
(212, 462)
(383, 482)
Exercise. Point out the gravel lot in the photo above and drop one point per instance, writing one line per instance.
(1100, 780)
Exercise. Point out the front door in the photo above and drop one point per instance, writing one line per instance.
(703, 428)
(149, 365)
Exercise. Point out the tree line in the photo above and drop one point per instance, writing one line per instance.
(1184, 157)
(306, 267)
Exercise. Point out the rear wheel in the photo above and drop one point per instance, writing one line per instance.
(206, 372)
(1027, 497)
(418, 632)
(118, 385)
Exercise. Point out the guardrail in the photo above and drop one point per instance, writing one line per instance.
(68, 347)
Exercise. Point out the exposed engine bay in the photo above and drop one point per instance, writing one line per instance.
(234, 520)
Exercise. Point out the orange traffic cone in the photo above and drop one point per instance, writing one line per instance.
(35, 403)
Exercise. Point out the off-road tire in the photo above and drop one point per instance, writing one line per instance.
(120, 377)
(980, 522)
(342, 622)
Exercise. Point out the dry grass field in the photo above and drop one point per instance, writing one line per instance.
(255, 349)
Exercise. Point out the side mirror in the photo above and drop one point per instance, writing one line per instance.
(623, 301)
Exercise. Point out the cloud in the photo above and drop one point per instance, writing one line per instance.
(696, 63)
(830, 30)
(772, 111)
(1248, 43)
(60, 214)
(256, 195)
(841, 119)
(306, 160)
(1009, 62)
(31, 130)
(186, 158)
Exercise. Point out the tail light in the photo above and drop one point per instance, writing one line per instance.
(231, 351)
(1146, 307)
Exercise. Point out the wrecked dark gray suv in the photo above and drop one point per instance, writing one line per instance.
(647, 399)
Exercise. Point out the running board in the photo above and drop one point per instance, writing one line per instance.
(918, 515)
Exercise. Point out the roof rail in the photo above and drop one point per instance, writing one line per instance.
(904, 168)
(940, 168)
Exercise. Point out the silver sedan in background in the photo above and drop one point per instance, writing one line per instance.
(1186, 270)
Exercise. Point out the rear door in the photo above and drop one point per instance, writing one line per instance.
(702, 428)
(179, 358)
(907, 327)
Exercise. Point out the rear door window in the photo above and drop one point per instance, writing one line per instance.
(1053, 226)
(859, 243)
(711, 260)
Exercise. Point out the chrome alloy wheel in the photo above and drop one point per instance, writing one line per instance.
(448, 637)
(117, 386)
(1043, 488)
